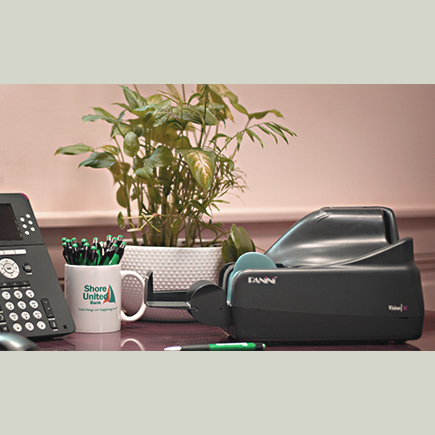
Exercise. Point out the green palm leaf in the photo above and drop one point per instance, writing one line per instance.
(201, 164)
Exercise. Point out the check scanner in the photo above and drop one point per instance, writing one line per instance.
(337, 275)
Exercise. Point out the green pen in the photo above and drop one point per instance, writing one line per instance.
(109, 255)
(75, 254)
(84, 253)
(64, 252)
(114, 260)
(221, 346)
(120, 252)
(98, 262)
(92, 258)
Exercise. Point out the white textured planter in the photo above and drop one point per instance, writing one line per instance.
(173, 269)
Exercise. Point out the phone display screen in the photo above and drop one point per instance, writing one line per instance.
(8, 225)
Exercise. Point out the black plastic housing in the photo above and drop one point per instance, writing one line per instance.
(342, 274)
(22, 245)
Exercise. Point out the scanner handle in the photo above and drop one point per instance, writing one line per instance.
(204, 300)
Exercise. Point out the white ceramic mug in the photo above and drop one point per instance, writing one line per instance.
(93, 294)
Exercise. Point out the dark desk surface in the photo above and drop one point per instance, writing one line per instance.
(155, 336)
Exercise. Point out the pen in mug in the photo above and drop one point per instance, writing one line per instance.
(99, 253)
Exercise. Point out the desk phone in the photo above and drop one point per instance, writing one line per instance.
(31, 299)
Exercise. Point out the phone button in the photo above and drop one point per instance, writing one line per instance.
(47, 307)
(6, 295)
(10, 306)
(27, 267)
(4, 328)
(13, 317)
(25, 315)
(22, 305)
(9, 268)
(17, 327)
(33, 304)
(18, 294)
(30, 294)
(29, 326)
(20, 251)
(41, 325)
(53, 324)
(37, 314)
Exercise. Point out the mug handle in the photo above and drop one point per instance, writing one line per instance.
(133, 340)
(139, 314)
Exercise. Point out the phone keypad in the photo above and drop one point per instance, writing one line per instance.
(27, 224)
(19, 310)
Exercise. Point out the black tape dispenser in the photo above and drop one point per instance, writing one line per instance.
(339, 274)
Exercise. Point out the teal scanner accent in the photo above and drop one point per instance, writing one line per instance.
(249, 260)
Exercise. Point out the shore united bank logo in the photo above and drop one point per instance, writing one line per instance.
(110, 296)
(98, 295)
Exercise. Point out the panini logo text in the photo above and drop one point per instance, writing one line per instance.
(258, 280)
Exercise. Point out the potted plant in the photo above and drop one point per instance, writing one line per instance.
(173, 164)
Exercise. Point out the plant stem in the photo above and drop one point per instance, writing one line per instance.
(203, 125)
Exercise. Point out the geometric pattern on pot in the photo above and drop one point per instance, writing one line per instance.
(173, 269)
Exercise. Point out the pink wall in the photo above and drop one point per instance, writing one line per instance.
(356, 144)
